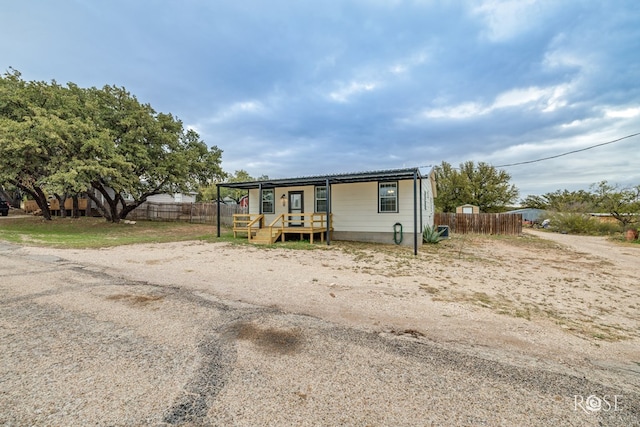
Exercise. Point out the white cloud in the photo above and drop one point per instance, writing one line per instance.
(557, 98)
(192, 127)
(404, 65)
(545, 99)
(345, 92)
(563, 57)
(462, 111)
(398, 69)
(625, 113)
(236, 109)
(505, 19)
(516, 97)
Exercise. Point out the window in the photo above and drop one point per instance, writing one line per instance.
(321, 199)
(388, 197)
(268, 206)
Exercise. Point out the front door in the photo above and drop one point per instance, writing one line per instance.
(296, 206)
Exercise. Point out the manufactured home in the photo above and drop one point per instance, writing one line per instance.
(390, 206)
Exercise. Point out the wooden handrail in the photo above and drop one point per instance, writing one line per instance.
(246, 221)
(315, 220)
(259, 219)
(273, 224)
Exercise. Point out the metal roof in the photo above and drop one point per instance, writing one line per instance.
(383, 175)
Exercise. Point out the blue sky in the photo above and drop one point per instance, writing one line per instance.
(295, 88)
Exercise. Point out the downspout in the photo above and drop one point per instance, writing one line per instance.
(218, 209)
(328, 185)
(415, 212)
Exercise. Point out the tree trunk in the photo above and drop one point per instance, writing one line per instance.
(38, 195)
(61, 200)
(126, 209)
(98, 203)
(75, 213)
(4, 194)
(43, 204)
(110, 211)
(106, 213)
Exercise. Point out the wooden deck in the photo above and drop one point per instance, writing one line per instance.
(254, 227)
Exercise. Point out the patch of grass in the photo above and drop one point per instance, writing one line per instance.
(97, 233)
(83, 233)
(525, 241)
(500, 304)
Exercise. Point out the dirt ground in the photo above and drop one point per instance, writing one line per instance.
(572, 301)
(540, 329)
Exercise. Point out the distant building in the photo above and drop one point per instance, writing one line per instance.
(530, 214)
(468, 209)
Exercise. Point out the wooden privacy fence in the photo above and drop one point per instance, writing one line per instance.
(30, 206)
(200, 213)
(483, 223)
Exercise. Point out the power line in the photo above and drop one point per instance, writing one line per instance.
(568, 152)
(552, 157)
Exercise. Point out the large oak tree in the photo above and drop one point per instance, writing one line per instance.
(60, 141)
(478, 184)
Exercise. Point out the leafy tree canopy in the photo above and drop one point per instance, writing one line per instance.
(211, 192)
(622, 203)
(478, 184)
(63, 140)
(562, 201)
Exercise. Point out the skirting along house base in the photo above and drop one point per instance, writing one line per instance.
(390, 206)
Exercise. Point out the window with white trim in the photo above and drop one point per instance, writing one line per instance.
(268, 206)
(387, 197)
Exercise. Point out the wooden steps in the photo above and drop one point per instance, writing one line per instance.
(266, 237)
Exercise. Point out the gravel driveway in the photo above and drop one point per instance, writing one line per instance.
(80, 346)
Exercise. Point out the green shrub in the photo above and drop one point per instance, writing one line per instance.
(581, 223)
(609, 228)
(431, 234)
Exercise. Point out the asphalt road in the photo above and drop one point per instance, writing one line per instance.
(79, 346)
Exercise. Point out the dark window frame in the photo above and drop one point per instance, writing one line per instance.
(316, 199)
(265, 203)
(395, 198)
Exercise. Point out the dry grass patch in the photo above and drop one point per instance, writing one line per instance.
(272, 340)
(136, 300)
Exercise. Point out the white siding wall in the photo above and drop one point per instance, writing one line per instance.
(308, 198)
(161, 198)
(428, 207)
(172, 198)
(355, 206)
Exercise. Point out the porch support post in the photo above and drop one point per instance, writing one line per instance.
(218, 209)
(415, 212)
(260, 198)
(421, 204)
(328, 184)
